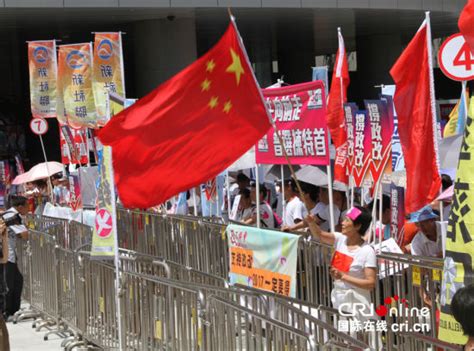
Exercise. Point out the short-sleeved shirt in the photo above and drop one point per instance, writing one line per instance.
(13, 231)
(266, 215)
(321, 211)
(422, 246)
(363, 257)
(294, 210)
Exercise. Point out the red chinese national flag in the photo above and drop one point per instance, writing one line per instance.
(335, 112)
(341, 261)
(190, 128)
(416, 119)
(466, 23)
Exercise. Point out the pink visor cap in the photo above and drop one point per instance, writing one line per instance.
(353, 213)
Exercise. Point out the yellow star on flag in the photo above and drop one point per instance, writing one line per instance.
(235, 66)
(213, 102)
(210, 65)
(227, 106)
(205, 85)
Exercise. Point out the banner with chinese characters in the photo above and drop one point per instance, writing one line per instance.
(5, 180)
(107, 71)
(381, 131)
(73, 143)
(263, 259)
(458, 270)
(362, 148)
(75, 76)
(75, 199)
(350, 110)
(397, 219)
(43, 69)
(20, 169)
(103, 236)
(299, 112)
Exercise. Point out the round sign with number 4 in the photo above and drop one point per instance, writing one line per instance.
(39, 126)
(456, 59)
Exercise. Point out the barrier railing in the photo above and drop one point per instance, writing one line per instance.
(174, 293)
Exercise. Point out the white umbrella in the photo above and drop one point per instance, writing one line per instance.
(312, 175)
(40, 171)
(247, 160)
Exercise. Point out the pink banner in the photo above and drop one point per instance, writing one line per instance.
(362, 147)
(299, 112)
(381, 126)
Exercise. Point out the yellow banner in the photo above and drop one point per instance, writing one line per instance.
(108, 71)
(103, 237)
(43, 75)
(458, 268)
(75, 80)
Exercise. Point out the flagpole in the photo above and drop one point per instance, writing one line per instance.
(116, 242)
(195, 202)
(228, 195)
(380, 211)
(432, 92)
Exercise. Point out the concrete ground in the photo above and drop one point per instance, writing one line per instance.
(24, 338)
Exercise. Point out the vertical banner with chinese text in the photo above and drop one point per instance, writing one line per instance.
(458, 270)
(43, 69)
(350, 110)
(103, 237)
(299, 112)
(108, 71)
(263, 259)
(381, 131)
(397, 219)
(362, 147)
(75, 75)
(73, 145)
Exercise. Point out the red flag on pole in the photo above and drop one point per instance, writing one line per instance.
(337, 98)
(190, 128)
(466, 23)
(414, 103)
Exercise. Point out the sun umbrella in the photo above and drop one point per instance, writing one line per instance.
(312, 175)
(40, 171)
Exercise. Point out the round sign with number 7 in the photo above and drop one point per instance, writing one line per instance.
(39, 126)
(456, 59)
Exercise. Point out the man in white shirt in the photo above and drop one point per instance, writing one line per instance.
(426, 242)
(294, 207)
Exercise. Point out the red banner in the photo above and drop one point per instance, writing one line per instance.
(73, 143)
(299, 112)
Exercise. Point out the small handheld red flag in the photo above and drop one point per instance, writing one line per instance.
(189, 129)
(341, 261)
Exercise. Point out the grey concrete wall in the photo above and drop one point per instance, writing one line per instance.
(432, 5)
(162, 48)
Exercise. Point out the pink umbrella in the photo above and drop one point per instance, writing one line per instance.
(40, 171)
(447, 194)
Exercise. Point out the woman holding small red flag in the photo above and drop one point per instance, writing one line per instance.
(354, 262)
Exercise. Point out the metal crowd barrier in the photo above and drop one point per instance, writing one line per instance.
(174, 293)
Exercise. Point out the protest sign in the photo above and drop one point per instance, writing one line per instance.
(263, 259)
(299, 113)
(362, 147)
(381, 130)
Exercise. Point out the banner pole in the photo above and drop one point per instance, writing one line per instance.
(116, 242)
(257, 194)
(50, 185)
(380, 211)
(331, 200)
(282, 191)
